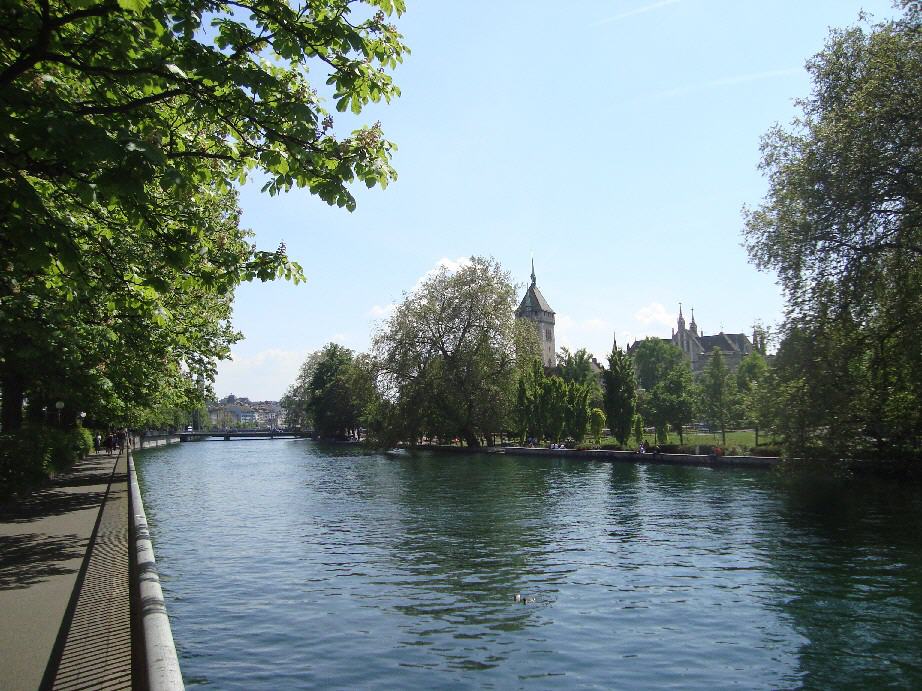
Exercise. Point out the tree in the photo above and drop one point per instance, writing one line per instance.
(671, 402)
(718, 393)
(554, 405)
(620, 395)
(331, 403)
(751, 378)
(126, 125)
(841, 225)
(578, 410)
(296, 401)
(638, 428)
(653, 360)
(596, 424)
(528, 411)
(449, 348)
(577, 367)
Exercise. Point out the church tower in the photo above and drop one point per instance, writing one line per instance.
(535, 309)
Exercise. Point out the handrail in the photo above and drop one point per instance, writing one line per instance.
(162, 665)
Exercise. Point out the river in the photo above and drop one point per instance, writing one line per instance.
(287, 564)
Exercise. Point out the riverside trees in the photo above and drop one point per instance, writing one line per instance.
(126, 124)
(446, 358)
(665, 376)
(841, 224)
(620, 393)
(333, 390)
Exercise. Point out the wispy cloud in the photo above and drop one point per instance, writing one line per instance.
(654, 313)
(264, 375)
(594, 334)
(637, 10)
(722, 82)
(451, 265)
(382, 311)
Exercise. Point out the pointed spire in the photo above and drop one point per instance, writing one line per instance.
(614, 341)
(681, 322)
(533, 271)
(693, 327)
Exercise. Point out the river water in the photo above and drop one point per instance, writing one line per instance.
(287, 564)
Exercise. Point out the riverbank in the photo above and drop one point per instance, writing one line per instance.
(900, 469)
(610, 456)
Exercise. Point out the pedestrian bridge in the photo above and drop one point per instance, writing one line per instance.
(227, 435)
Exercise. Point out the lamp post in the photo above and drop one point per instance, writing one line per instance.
(82, 417)
(60, 406)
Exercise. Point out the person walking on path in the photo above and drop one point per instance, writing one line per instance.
(97, 442)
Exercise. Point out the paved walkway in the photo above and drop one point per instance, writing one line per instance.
(64, 593)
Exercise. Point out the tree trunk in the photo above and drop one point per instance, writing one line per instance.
(757, 435)
(11, 386)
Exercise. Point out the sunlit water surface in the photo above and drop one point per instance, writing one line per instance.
(287, 564)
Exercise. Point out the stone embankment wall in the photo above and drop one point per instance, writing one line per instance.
(624, 456)
(154, 660)
(146, 441)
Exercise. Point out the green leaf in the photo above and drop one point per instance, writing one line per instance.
(136, 6)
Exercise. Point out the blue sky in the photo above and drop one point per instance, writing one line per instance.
(616, 142)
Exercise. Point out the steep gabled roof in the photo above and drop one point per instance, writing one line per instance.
(726, 342)
(534, 300)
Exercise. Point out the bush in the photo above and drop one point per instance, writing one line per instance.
(33, 454)
(612, 447)
(84, 442)
(771, 451)
(23, 461)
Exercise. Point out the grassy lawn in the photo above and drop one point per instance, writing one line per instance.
(741, 439)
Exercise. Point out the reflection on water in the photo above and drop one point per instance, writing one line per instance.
(292, 565)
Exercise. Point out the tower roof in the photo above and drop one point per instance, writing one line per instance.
(533, 299)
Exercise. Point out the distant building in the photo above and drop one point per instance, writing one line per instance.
(698, 348)
(239, 410)
(535, 309)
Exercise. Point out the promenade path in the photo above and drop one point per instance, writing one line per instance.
(64, 582)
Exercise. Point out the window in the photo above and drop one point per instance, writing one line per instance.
(547, 334)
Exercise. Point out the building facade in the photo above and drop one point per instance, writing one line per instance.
(698, 348)
(535, 309)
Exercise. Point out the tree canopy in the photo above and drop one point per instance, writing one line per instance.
(620, 393)
(719, 392)
(126, 125)
(447, 356)
(841, 224)
(653, 359)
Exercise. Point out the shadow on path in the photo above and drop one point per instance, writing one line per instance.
(29, 559)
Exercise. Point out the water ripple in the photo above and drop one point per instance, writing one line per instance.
(289, 565)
